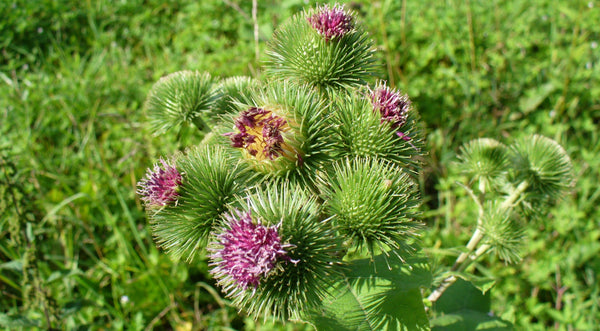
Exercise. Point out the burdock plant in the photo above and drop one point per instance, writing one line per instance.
(304, 195)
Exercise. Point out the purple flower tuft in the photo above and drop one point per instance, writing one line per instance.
(160, 185)
(249, 118)
(246, 252)
(272, 136)
(393, 108)
(260, 133)
(331, 22)
(392, 105)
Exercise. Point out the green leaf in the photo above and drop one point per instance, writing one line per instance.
(469, 320)
(462, 295)
(463, 306)
(75, 306)
(483, 284)
(534, 97)
(18, 321)
(377, 295)
(15, 265)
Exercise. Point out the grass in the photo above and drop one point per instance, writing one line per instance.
(77, 252)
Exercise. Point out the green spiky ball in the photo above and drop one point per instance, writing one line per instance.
(299, 53)
(484, 161)
(374, 203)
(211, 182)
(544, 165)
(179, 98)
(362, 133)
(301, 283)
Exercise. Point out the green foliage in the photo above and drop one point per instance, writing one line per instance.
(464, 307)
(363, 300)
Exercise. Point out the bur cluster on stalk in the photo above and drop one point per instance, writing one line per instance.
(509, 186)
(305, 185)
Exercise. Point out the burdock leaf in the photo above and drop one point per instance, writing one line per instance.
(467, 319)
(389, 299)
(465, 307)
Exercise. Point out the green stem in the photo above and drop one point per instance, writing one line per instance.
(512, 198)
(199, 123)
(466, 258)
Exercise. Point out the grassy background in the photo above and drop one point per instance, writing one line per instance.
(76, 251)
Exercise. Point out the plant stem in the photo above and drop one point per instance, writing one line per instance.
(510, 200)
(199, 123)
(466, 258)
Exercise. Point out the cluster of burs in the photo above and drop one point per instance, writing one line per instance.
(311, 166)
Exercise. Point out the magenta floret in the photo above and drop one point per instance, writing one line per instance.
(160, 186)
(246, 251)
(331, 22)
(392, 105)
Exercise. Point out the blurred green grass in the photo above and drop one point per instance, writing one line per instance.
(76, 252)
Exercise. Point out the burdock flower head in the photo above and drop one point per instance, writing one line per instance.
(331, 22)
(245, 252)
(262, 134)
(160, 185)
(393, 107)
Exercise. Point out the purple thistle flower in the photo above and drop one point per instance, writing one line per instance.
(259, 132)
(160, 185)
(249, 118)
(392, 105)
(241, 140)
(246, 252)
(272, 136)
(331, 22)
(393, 108)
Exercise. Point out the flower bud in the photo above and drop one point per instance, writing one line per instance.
(179, 98)
(278, 257)
(324, 48)
(160, 186)
(331, 22)
(245, 251)
(373, 203)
